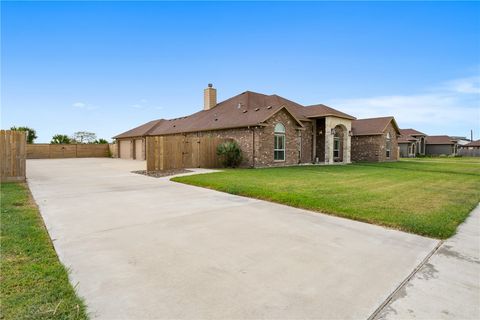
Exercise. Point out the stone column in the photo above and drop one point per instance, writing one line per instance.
(329, 125)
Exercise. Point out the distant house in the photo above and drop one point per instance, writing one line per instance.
(375, 139)
(461, 141)
(471, 145)
(471, 149)
(411, 143)
(440, 145)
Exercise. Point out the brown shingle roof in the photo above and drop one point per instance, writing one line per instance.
(372, 126)
(139, 131)
(473, 144)
(406, 139)
(439, 140)
(243, 110)
(411, 132)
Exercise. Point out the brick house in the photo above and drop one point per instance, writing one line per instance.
(375, 139)
(411, 143)
(270, 130)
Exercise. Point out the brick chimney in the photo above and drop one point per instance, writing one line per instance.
(209, 97)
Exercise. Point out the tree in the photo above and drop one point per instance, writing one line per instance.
(230, 153)
(31, 133)
(101, 141)
(84, 137)
(61, 139)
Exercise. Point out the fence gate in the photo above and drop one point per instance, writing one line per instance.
(12, 155)
(178, 152)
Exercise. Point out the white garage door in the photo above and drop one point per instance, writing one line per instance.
(139, 150)
(125, 149)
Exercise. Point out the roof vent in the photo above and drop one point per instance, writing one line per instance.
(244, 111)
(239, 105)
(216, 119)
(256, 109)
(269, 107)
(174, 125)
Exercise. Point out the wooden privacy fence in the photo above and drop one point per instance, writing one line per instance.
(57, 151)
(469, 152)
(12, 155)
(177, 152)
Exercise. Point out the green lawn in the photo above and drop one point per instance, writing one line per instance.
(430, 196)
(33, 283)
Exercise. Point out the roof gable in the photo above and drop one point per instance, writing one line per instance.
(140, 131)
(373, 126)
(411, 132)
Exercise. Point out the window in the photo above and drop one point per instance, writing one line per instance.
(388, 145)
(336, 146)
(279, 143)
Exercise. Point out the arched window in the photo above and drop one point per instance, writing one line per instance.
(279, 143)
(388, 146)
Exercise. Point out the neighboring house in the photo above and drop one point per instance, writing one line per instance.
(461, 141)
(270, 130)
(474, 145)
(471, 149)
(440, 145)
(411, 143)
(375, 139)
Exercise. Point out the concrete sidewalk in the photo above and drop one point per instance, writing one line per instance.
(145, 248)
(448, 285)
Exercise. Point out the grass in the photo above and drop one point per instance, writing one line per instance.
(430, 197)
(33, 283)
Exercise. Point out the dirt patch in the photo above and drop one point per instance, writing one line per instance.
(164, 173)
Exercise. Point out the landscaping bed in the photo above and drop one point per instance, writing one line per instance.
(163, 173)
(34, 284)
(429, 197)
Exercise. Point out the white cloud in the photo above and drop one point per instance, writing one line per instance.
(79, 104)
(137, 106)
(453, 105)
(143, 100)
(84, 106)
(465, 85)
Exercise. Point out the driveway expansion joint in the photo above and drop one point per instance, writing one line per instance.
(404, 283)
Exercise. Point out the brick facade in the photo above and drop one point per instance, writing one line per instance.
(373, 148)
(257, 143)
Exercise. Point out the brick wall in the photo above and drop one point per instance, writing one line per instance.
(265, 139)
(373, 148)
(262, 139)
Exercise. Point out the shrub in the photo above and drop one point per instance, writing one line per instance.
(31, 133)
(61, 139)
(230, 153)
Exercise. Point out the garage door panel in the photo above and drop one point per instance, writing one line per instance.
(125, 149)
(139, 150)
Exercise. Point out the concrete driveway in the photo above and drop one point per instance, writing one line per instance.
(142, 248)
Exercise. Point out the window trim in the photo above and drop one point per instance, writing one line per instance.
(388, 146)
(281, 134)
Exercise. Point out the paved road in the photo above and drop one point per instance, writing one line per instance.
(447, 286)
(141, 247)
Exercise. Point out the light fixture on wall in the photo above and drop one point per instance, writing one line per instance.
(350, 133)
(320, 132)
(333, 131)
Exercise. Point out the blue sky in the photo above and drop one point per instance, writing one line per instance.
(109, 66)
